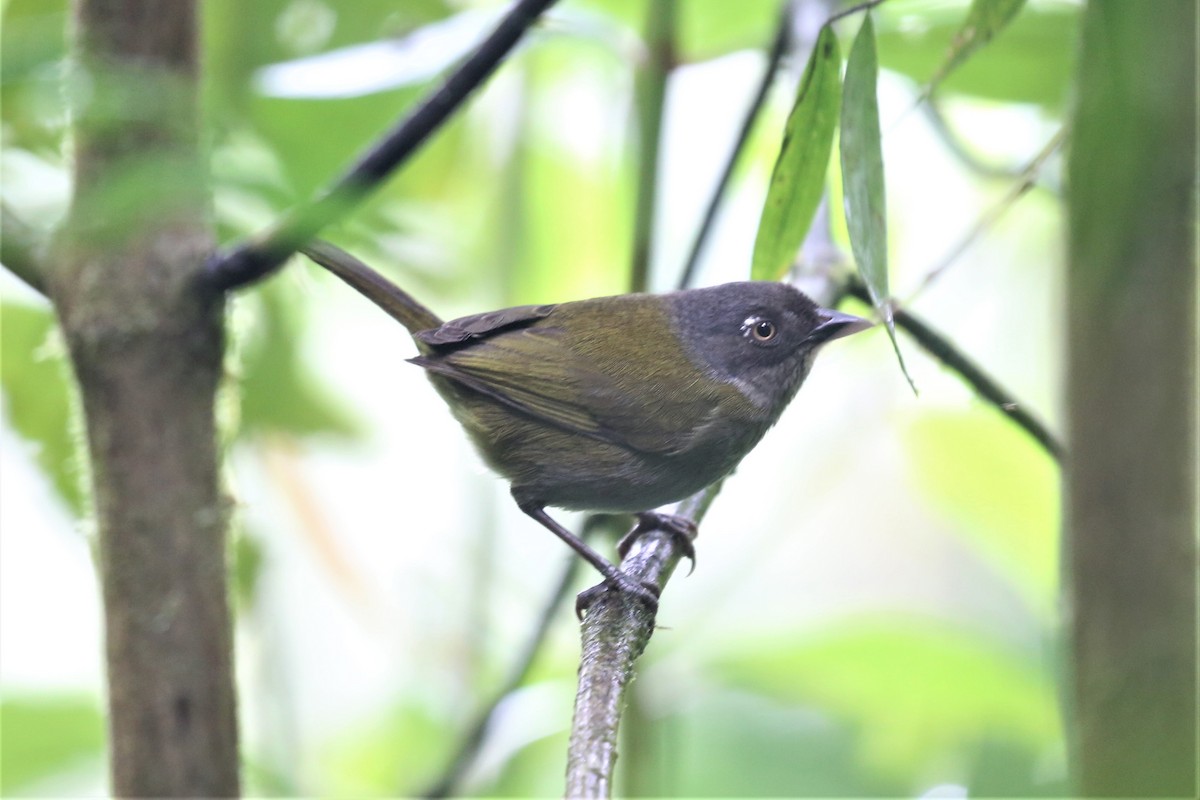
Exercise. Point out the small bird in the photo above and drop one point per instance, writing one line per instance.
(617, 404)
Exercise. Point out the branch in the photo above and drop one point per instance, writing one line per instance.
(984, 385)
(614, 634)
(20, 250)
(936, 118)
(472, 741)
(258, 258)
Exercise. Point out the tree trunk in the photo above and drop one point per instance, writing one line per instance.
(1131, 473)
(146, 346)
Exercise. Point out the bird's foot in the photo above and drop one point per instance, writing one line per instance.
(646, 591)
(681, 529)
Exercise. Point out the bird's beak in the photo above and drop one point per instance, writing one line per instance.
(835, 325)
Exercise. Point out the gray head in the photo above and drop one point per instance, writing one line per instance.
(759, 336)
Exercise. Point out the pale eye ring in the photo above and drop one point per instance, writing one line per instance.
(763, 330)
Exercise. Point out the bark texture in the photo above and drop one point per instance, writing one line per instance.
(146, 346)
(1131, 472)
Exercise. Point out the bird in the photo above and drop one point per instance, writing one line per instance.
(614, 404)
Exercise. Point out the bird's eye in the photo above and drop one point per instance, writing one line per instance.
(763, 330)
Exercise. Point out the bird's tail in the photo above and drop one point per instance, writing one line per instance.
(376, 288)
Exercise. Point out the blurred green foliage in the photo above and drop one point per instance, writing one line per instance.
(45, 734)
(520, 199)
(913, 694)
(1029, 62)
(278, 394)
(37, 394)
(1000, 490)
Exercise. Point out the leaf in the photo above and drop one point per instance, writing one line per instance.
(799, 176)
(863, 194)
(984, 20)
(38, 395)
(1031, 63)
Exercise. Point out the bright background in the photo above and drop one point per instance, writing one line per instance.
(874, 610)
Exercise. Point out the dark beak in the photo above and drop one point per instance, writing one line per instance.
(835, 325)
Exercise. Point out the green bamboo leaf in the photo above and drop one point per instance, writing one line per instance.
(862, 176)
(799, 176)
(1031, 63)
(984, 20)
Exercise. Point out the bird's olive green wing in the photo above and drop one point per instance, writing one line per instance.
(519, 371)
(611, 396)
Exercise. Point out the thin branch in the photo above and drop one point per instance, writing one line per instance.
(934, 115)
(472, 741)
(650, 98)
(20, 250)
(614, 633)
(258, 258)
(984, 385)
(1027, 180)
(778, 47)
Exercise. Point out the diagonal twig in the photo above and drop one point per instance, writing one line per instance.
(984, 385)
(262, 255)
(954, 143)
(472, 740)
(1027, 179)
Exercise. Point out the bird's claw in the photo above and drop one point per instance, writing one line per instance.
(681, 529)
(646, 591)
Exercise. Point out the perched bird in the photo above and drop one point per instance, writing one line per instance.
(618, 404)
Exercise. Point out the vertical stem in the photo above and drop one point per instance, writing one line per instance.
(146, 346)
(650, 91)
(1131, 361)
(779, 47)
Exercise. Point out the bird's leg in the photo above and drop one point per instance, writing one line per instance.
(613, 577)
(682, 529)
